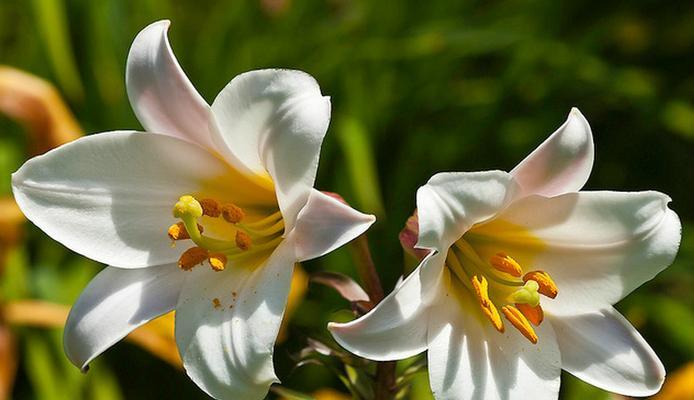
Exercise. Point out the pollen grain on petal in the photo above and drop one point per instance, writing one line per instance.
(232, 213)
(481, 287)
(216, 303)
(243, 240)
(533, 314)
(192, 257)
(505, 263)
(210, 207)
(218, 261)
(546, 285)
(521, 323)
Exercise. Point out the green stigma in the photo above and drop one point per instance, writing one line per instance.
(187, 206)
(527, 294)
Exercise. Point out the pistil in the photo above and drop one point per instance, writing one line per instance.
(260, 236)
(518, 294)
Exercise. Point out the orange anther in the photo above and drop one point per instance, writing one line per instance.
(178, 231)
(488, 308)
(547, 285)
(243, 240)
(506, 264)
(232, 213)
(218, 261)
(533, 314)
(192, 257)
(210, 207)
(519, 321)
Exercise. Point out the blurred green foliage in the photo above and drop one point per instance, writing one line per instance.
(416, 88)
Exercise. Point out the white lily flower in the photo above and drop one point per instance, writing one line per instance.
(239, 177)
(520, 278)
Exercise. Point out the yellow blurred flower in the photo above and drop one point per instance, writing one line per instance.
(679, 385)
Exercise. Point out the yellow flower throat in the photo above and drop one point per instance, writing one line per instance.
(251, 239)
(518, 293)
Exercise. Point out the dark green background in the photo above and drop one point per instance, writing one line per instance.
(417, 88)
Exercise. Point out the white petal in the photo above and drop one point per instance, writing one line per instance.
(116, 302)
(597, 246)
(109, 196)
(325, 224)
(451, 202)
(468, 359)
(160, 93)
(603, 349)
(273, 122)
(562, 163)
(397, 327)
(227, 348)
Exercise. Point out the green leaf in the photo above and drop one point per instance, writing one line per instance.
(361, 165)
(289, 394)
(51, 22)
(573, 388)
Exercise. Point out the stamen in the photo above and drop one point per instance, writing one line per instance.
(482, 291)
(527, 294)
(546, 285)
(244, 254)
(272, 218)
(243, 240)
(506, 264)
(192, 257)
(470, 256)
(458, 269)
(232, 213)
(533, 314)
(518, 320)
(210, 207)
(218, 261)
(275, 228)
(178, 231)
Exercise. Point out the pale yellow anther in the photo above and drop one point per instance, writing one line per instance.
(504, 263)
(546, 285)
(481, 287)
(533, 314)
(218, 261)
(192, 257)
(243, 240)
(210, 207)
(232, 213)
(178, 231)
(521, 323)
(187, 206)
(528, 294)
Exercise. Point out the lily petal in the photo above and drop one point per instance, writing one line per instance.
(227, 323)
(562, 163)
(160, 93)
(597, 246)
(116, 302)
(451, 202)
(109, 196)
(273, 122)
(603, 349)
(468, 359)
(397, 327)
(325, 224)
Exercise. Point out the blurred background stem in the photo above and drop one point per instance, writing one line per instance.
(385, 371)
